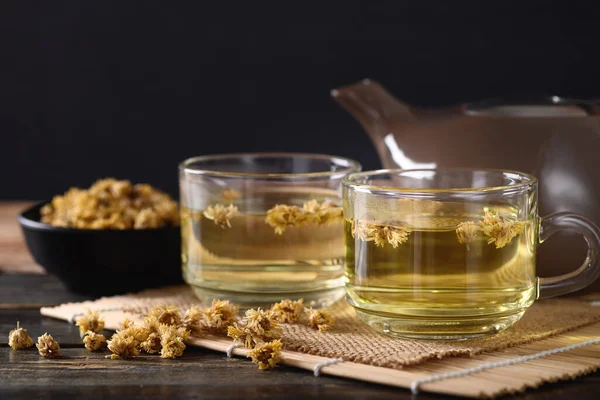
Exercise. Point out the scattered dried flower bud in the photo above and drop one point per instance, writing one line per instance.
(94, 341)
(168, 315)
(239, 334)
(319, 320)
(500, 230)
(466, 232)
(220, 315)
(47, 346)
(152, 324)
(380, 234)
(263, 324)
(221, 215)
(91, 321)
(258, 327)
(193, 319)
(288, 311)
(266, 355)
(19, 339)
(128, 328)
(152, 344)
(123, 345)
(172, 340)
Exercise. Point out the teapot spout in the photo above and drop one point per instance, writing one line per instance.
(372, 106)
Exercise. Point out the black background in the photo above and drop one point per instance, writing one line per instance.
(90, 89)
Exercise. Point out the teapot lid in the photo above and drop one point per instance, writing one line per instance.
(540, 106)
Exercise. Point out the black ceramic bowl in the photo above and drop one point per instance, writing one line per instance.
(104, 262)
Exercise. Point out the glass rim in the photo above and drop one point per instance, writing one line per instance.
(347, 181)
(347, 165)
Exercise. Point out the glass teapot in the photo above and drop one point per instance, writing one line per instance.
(553, 138)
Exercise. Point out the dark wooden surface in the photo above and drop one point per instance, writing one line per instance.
(198, 374)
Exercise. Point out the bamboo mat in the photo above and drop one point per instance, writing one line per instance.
(372, 357)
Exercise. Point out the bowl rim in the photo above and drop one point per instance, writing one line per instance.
(27, 222)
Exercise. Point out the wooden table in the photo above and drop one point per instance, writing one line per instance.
(198, 374)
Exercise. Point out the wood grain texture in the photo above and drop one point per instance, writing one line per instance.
(14, 256)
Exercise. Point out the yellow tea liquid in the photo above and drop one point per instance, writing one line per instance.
(250, 264)
(432, 285)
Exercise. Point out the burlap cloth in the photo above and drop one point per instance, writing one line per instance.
(352, 340)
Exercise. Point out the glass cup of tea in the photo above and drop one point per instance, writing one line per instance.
(259, 228)
(451, 253)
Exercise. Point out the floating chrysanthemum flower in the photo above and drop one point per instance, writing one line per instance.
(230, 194)
(221, 215)
(500, 230)
(283, 216)
(380, 234)
(466, 232)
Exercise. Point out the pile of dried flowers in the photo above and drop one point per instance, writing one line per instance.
(165, 330)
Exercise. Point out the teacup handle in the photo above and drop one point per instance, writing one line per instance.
(588, 271)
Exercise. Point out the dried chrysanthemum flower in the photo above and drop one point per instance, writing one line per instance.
(263, 324)
(319, 319)
(283, 216)
(466, 232)
(266, 355)
(500, 230)
(125, 343)
(381, 234)
(168, 315)
(258, 327)
(230, 195)
(94, 341)
(193, 319)
(19, 339)
(139, 333)
(47, 346)
(172, 341)
(152, 324)
(288, 311)
(324, 212)
(152, 345)
(238, 334)
(123, 346)
(221, 215)
(91, 321)
(220, 315)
